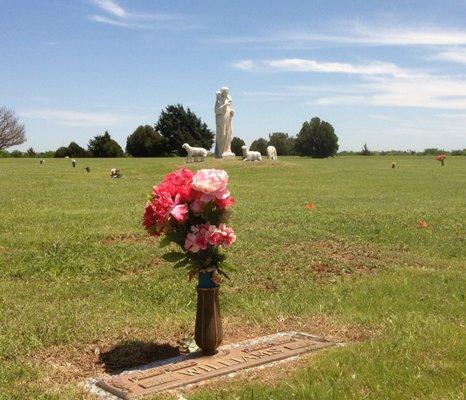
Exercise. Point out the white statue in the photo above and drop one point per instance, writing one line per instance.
(223, 116)
(272, 152)
(194, 153)
(249, 155)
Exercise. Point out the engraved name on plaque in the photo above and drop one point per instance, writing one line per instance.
(197, 368)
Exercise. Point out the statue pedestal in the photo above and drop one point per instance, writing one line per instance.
(229, 156)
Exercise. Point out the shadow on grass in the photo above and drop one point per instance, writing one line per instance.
(134, 353)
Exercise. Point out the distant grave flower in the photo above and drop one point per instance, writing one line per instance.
(441, 158)
(422, 224)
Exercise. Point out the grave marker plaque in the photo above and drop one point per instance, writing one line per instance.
(195, 368)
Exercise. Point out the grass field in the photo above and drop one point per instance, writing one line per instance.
(83, 290)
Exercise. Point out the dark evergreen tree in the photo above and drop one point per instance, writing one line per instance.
(61, 152)
(316, 139)
(236, 144)
(145, 141)
(75, 150)
(259, 145)
(283, 143)
(179, 126)
(104, 146)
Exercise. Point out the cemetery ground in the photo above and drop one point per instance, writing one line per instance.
(83, 289)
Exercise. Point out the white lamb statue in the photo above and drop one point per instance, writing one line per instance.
(272, 152)
(194, 153)
(251, 155)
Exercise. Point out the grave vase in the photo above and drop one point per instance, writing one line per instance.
(208, 332)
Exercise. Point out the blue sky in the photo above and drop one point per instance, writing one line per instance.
(391, 74)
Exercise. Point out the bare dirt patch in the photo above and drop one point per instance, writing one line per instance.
(329, 259)
(71, 364)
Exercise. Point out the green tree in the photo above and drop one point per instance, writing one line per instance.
(316, 139)
(75, 150)
(61, 152)
(282, 142)
(72, 150)
(145, 141)
(16, 154)
(179, 126)
(104, 146)
(236, 144)
(30, 152)
(259, 145)
(432, 151)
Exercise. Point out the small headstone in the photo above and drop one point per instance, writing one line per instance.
(88, 169)
(393, 165)
(73, 161)
(195, 367)
(41, 162)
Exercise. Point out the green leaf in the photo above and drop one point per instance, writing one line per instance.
(164, 242)
(182, 263)
(227, 266)
(224, 274)
(173, 256)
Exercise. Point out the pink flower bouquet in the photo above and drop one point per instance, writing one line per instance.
(191, 210)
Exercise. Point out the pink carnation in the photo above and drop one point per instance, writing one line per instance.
(203, 235)
(169, 199)
(225, 203)
(228, 235)
(177, 183)
(212, 183)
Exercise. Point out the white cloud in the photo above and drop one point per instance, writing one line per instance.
(372, 68)
(78, 118)
(356, 34)
(460, 116)
(110, 7)
(456, 56)
(123, 24)
(246, 65)
(425, 91)
(376, 84)
(116, 15)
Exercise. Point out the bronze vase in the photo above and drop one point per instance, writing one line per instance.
(209, 332)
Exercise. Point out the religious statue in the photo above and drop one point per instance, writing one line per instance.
(223, 116)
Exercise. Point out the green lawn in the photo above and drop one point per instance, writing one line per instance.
(80, 283)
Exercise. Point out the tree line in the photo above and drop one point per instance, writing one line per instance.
(177, 125)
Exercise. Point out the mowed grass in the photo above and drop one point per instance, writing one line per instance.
(79, 278)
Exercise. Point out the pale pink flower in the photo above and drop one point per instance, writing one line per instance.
(190, 243)
(203, 235)
(180, 212)
(212, 183)
(228, 235)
